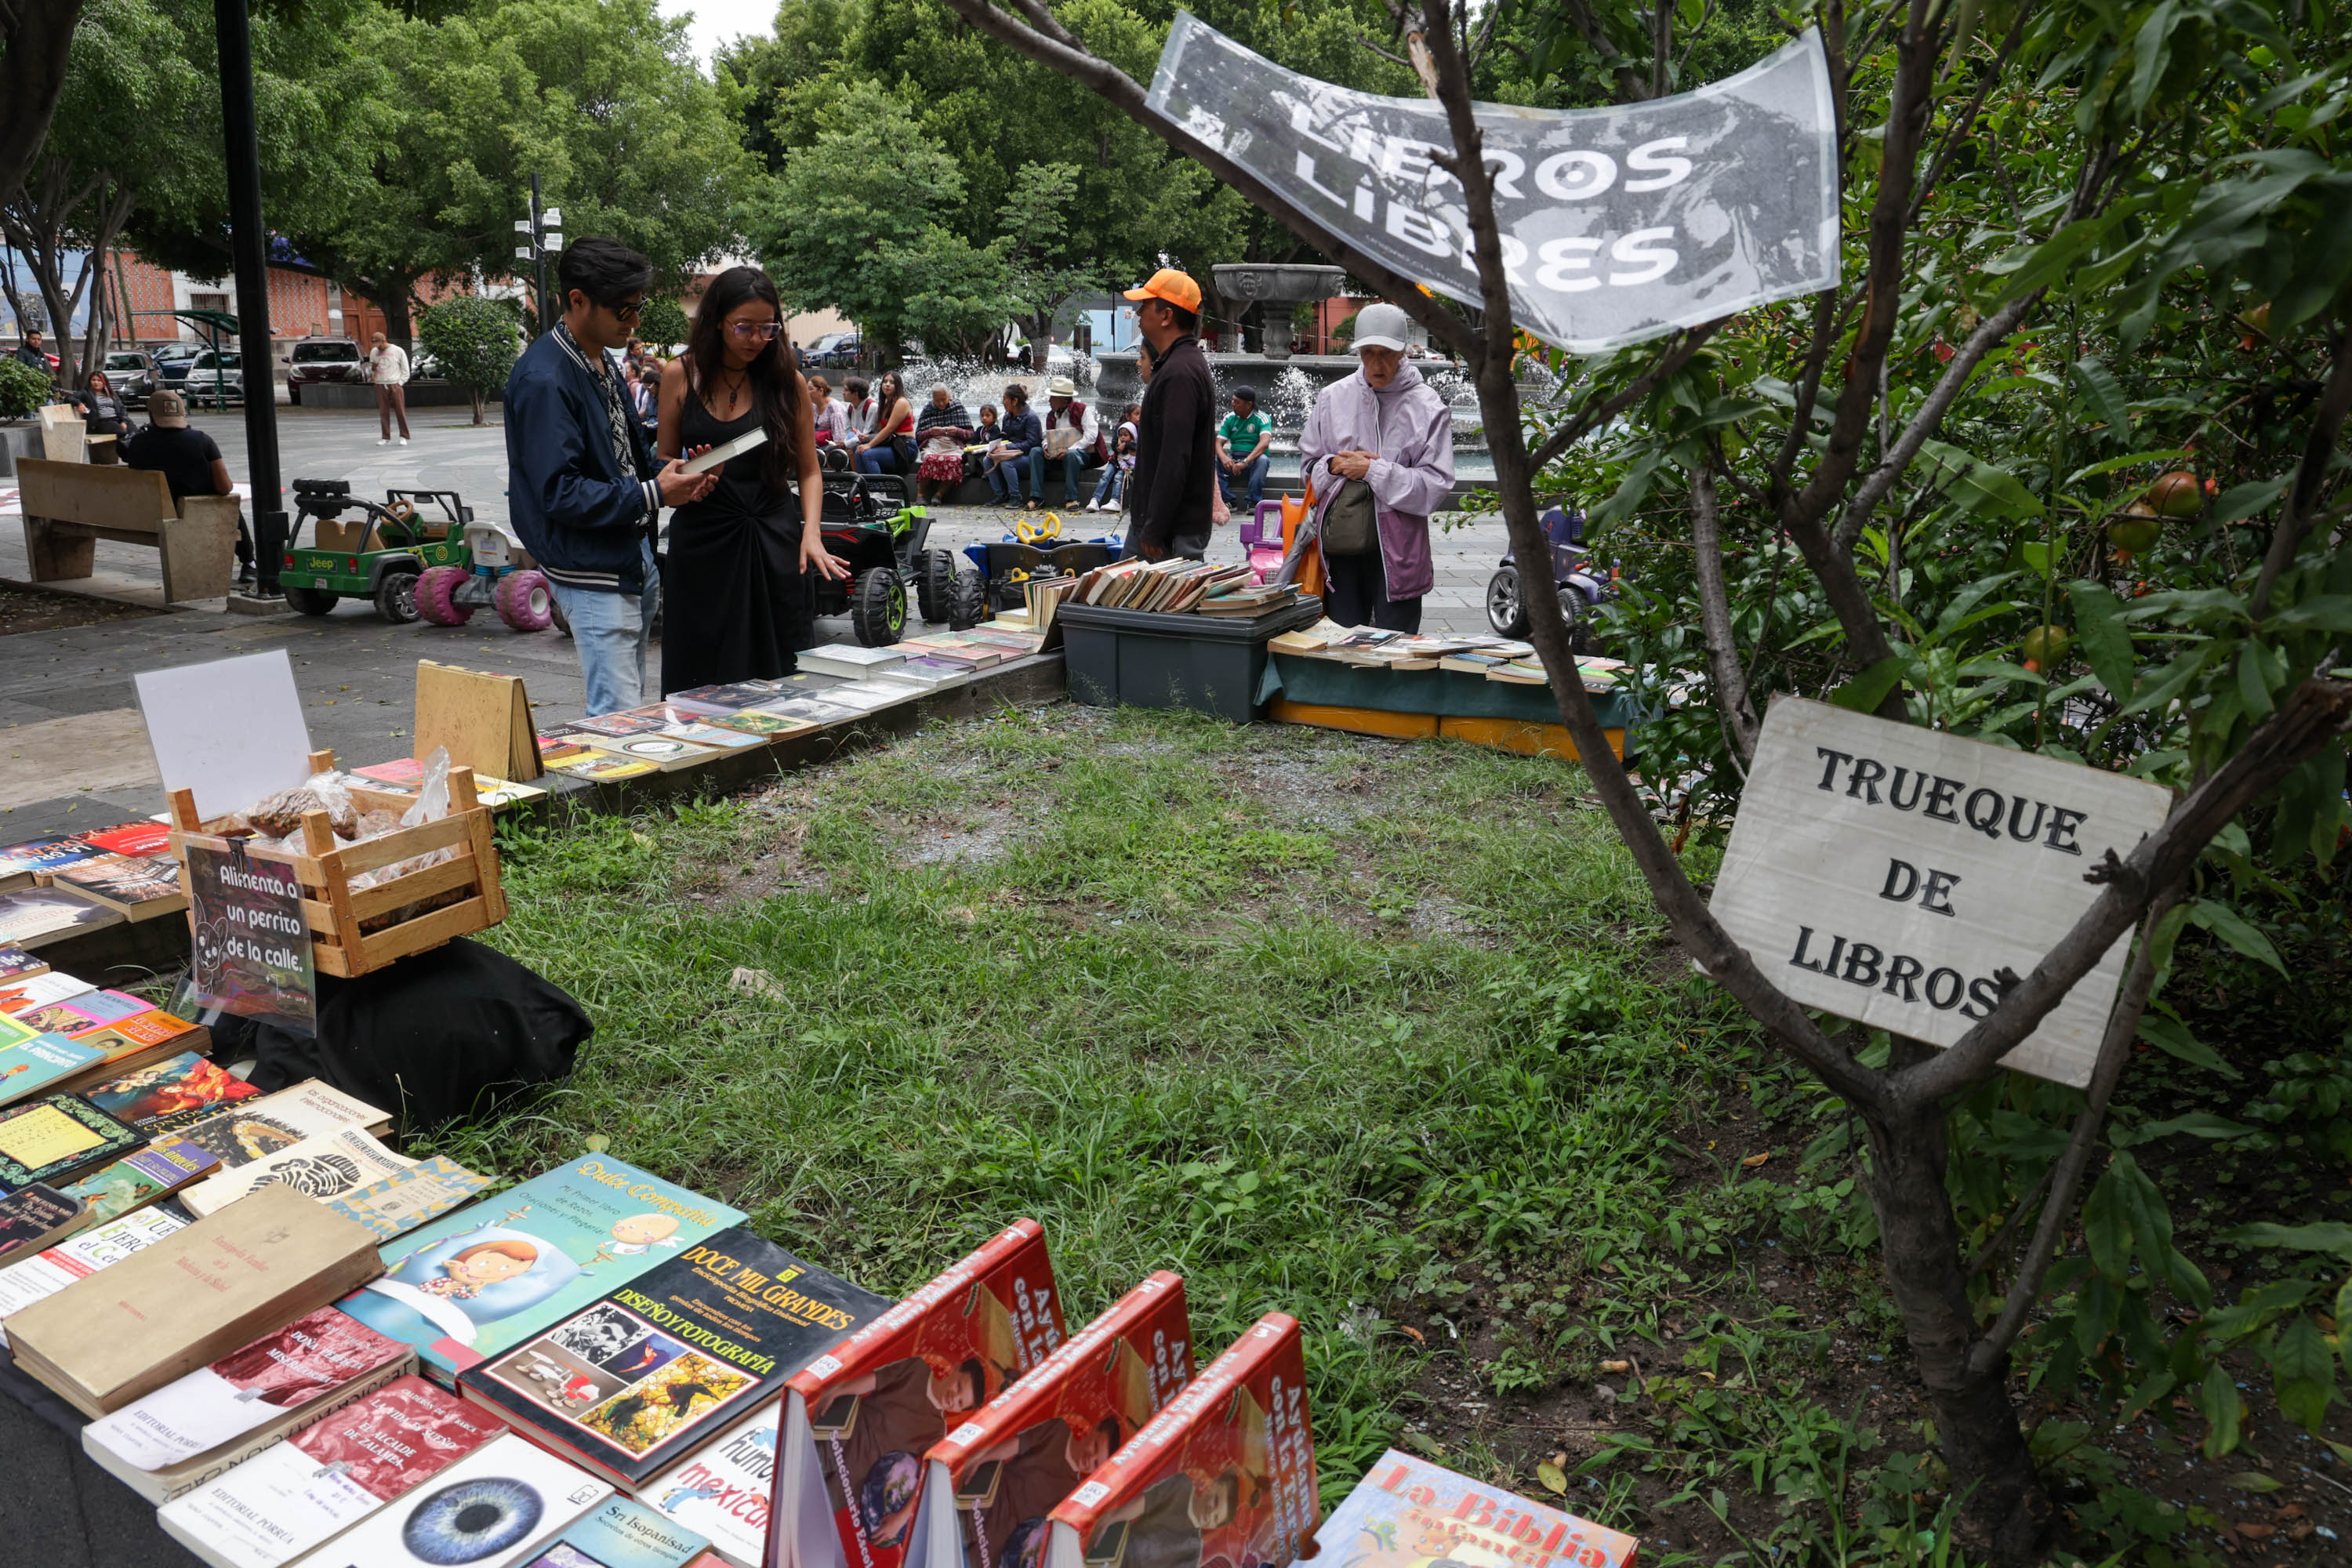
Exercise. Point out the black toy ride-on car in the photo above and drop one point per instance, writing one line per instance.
(870, 528)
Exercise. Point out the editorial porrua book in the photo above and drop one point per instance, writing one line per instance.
(1222, 1478)
(858, 1420)
(991, 1484)
(1407, 1511)
(656, 1367)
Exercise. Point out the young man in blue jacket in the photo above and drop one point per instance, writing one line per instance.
(583, 487)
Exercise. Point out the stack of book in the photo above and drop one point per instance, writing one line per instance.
(1182, 587)
(55, 884)
(1494, 657)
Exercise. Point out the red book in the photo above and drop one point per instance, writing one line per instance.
(858, 1419)
(132, 838)
(1222, 1478)
(990, 1484)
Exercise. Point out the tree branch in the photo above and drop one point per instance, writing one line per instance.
(2115, 1053)
(2303, 496)
(1728, 680)
(1570, 432)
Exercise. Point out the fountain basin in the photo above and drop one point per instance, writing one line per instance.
(1269, 283)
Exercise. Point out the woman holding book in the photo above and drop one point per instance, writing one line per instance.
(739, 600)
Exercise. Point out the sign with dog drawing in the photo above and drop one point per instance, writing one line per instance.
(1887, 873)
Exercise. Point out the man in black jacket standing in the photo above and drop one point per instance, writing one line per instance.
(1175, 461)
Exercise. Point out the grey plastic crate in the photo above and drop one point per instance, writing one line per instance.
(1143, 659)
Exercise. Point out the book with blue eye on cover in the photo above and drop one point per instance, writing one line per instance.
(473, 1285)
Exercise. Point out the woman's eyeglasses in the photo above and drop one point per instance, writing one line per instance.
(751, 332)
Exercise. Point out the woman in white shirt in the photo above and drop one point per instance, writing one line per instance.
(387, 366)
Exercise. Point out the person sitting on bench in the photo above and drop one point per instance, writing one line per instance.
(190, 462)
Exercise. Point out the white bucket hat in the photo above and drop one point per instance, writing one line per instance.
(1383, 326)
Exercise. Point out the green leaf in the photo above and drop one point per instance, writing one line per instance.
(2128, 460)
(2106, 1226)
(2252, 1482)
(2303, 1372)
(2253, 689)
(2324, 1236)
(1981, 487)
(2242, 501)
(2106, 398)
(1867, 691)
(1554, 1479)
(2168, 683)
(2197, 1124)
(2217, 1399)
(2037, 557)
(2326, 613)
(2105, 644)
(2175, 1040)
(2231, 927)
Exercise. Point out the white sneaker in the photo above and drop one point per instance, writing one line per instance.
(383, 441)
(1094, 506)
(404, 440)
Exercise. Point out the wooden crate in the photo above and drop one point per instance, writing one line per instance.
(336, 914)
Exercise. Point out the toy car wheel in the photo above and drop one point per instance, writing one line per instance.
(1576, 616)
(523, 601)
(877, 610)
(967, 601)
(396, 597)
(1504, 613)
(310, 601)
(935, 575)
(437, 596)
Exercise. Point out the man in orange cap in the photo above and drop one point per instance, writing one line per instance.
(1175, 464)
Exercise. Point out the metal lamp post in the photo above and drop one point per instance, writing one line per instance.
(249, 245)
(543, 236)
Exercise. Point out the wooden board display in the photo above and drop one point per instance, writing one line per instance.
(483, 720)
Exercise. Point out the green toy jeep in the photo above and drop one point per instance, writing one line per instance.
(380, 556)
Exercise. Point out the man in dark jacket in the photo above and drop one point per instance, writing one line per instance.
(1175, 462)
(583, 488)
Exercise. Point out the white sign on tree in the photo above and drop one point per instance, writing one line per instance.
(1887, 873)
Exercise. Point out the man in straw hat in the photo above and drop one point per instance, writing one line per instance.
(1074, 439)
(1176, 464)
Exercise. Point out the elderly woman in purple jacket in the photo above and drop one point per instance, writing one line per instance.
(1387, 427)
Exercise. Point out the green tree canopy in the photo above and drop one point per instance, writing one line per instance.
(477, 342)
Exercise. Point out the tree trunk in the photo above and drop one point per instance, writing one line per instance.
(481, 401)
(2005, 1513)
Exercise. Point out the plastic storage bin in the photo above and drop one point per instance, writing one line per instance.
(1143, 659)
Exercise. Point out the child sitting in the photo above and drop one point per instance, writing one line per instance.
(1122, 463)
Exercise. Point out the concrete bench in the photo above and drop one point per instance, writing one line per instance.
(69, 507)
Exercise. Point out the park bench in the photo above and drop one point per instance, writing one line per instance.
(69, 507)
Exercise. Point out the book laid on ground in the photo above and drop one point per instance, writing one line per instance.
(253, 1130)
(751, 722)
(198, 1426)
(657, 1366)
(401, 1202)
(15, 964)
(132, 838)
(610, 726)
(137, 888)
(32, 1062)
(494, 1507)
(149, 1096)
(722, 1489)
(129, 1043)
(848, 659)
(297, 1495)
(867, 696)
(622, 1533)
(31, 914)
(322, 1167)
(148, 1175)
(40, 990)
(1407, 1506)
(1223, 1476)
(808, 710)
(166, 1310)
(601, 767)
(930, 674)
(990, 1484)
(475, 1284)
(40, 856)
(859, 1418)
(668, 753)
(53, 1268)
(56, 1137)
(726, 698)
(32, 1217)
(79, 1015)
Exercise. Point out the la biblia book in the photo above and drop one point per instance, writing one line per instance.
(200, 1426)
(1222, 1478)
(991, 1484)
(476, 1283)
(859, 1418)
(657, 1366)
(164, 1312)
(495, 1508)
(304, 1490)
(1407, 1511)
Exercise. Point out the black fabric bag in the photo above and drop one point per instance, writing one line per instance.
(1351, 523)
(904, 446)
(457, 1031)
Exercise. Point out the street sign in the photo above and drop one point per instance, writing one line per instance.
(1885, 872)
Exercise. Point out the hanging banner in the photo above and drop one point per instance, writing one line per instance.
(1618, 225)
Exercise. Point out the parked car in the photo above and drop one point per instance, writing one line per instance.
(132, 372)
(215, 375)
(319, 362)
(423, 366)
(833, 349)
(171, 363)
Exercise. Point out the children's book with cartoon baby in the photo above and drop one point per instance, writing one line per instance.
(990, 1484)
(659, 1365)
(859, 1418)
(1408, 1512)
(476, 1283)
(1222, 1478)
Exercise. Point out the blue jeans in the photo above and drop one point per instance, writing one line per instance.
(1256, 482)
(1005, 479)
(1074, 467)
(877, 461)
(611, 631)
(1107, 489)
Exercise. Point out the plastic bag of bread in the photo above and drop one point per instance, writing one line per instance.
(280, 815)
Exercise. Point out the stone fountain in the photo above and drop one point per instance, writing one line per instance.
(1269, 283)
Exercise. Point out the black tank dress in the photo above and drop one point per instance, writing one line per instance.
(734, 604)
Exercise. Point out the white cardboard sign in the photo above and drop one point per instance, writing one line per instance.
(232, 730)
(1885, 872)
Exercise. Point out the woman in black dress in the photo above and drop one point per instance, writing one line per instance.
(735, 591)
